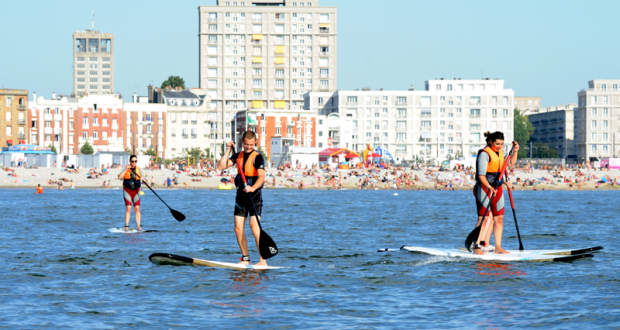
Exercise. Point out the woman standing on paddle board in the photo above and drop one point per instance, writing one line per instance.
(131, 190)
(252, 163)
(488, 167)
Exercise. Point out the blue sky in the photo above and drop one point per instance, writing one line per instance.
(540, 48)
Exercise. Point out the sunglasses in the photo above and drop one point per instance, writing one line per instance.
(134, 161)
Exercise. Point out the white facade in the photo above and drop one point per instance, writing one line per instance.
(49, 121)
(188, 123)
(145, 127)
(597, 120)
(449, 117)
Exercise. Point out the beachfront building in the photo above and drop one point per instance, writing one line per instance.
(265, 54)
(145, 126)
(597, 120)
(49, 121)
(447, 119)
(527, 104)
(13, 117)
(93, 63)
(68, 123)
(187, 120)
(555, 127)
(295, 129)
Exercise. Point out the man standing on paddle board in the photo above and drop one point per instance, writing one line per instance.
(488, 167)
(253, 166)
(131, 190)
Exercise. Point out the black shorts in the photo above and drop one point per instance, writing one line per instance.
(243, 206)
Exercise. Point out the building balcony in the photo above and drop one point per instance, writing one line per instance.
(21, 107)
(425, 128)
(48, 116)
(184, 122)
(194, 122)
(184, 136)
(57, 117)
(194, 136)
(21, 122)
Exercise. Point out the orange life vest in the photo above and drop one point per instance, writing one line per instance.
(249, 170)
(39, 190)
(496, 161)
(128, 174)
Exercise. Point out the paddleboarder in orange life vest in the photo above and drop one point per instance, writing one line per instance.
(253, 166)
(131, 190)
(488, 166)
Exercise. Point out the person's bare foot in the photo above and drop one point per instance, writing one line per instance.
(262, 263)
(478, 252)
(499, 250)
(139, 228)
(247, 263)
(126, 228)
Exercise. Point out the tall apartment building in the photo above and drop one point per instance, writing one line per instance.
(265, 54)
(555, 127)
(597, 120)
(528, 104)
(449, 117)
(68, 123)
(13, 116)
(93, 63)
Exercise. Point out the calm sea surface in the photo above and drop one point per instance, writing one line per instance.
(63, 269)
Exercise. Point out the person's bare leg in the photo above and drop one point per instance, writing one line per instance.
(498, 228)
(256, 231)
(138, 216)
(127, 216)
(486, 226)
(241, 240)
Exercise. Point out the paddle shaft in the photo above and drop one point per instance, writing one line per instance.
(488, 207)
(514, 214)
(156, 194)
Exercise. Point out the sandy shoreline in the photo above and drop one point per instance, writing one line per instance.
(291, 181)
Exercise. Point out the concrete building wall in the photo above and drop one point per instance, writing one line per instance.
(13, 117)
(598, 120)
(555, 127)
(265, 55)
(93, 63)
(145, 127)
(528, 104)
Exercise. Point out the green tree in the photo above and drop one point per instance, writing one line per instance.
(173, 81)
(449, 157)
(53, 149)
(194, 153)
(87, 149)
(543, 150)
(523, 130)
(128, 151)
(150, 152)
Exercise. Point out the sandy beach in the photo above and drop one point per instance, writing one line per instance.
(30, 178)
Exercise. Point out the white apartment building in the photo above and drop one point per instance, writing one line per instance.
(449, 117)
(555, 127)
(597, 120)
(93, 63)
(265, 54)
(188, 121)
(49, 121)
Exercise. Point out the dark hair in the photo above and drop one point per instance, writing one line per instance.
(492, 137)
(248, 135)
(132, 156)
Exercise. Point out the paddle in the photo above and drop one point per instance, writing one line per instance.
(176, 214)
(266, 246)
(514, 215)
(473, 236)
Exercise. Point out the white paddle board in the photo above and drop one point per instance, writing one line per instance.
(171, 259)
(514, 255)
(130, 231)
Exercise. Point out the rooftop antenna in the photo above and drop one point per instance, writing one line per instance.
(93, 25)
(482, 73)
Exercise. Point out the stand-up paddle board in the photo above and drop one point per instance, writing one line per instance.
(175, 260)
(130, 231)
(515, 255)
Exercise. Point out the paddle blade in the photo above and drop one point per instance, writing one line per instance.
(267, 247)
(472, 238)
(177, 215)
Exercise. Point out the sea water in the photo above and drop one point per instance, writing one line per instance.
(62, 268)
